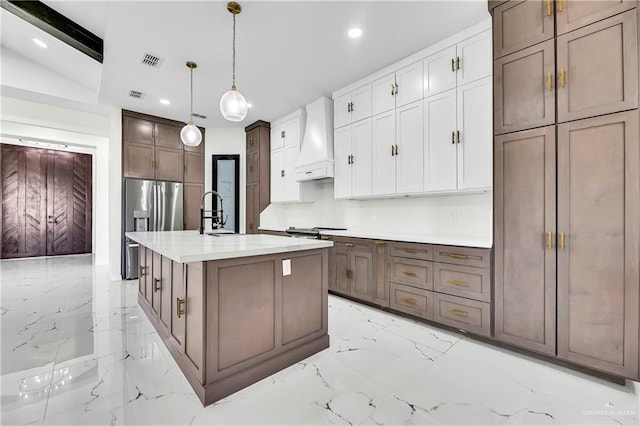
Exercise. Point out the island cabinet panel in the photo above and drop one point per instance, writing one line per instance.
(381, 273)
(143, 267)
(177, 324)
(156, 282)
(165, 292)
(194, 311)
(148, 277)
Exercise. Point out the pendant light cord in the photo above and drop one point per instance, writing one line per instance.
(233, 84)
(191, 103)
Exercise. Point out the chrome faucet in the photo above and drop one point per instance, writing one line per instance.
(216, 217)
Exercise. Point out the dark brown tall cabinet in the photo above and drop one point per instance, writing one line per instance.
(258, 152)
(567, 180)
(46, 202)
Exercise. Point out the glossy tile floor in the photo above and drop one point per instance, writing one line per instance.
(76, 349)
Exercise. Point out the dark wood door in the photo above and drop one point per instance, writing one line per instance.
(24, 195)
(524, 89)
(362, 281)
(343, 276)
(525, 231)
(191, 209)
(520, 24)
(253, 208)
(193, 167)
(168, 136)
(574, 14)
(592, 84)
(137, 130)
(599, 256)
(138, 161)
(381, 273)
(169, 164)
(69, 225)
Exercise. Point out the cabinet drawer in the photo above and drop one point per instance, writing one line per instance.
(412, 250)
(411, 300)
(466, 256)
(469, 315)
(465, 281)
(416, 273)
(354, 244)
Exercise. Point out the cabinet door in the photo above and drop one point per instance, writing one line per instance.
(138, 161)
(440, 72)
(138, 131)
(342, 163)
(291, 188)
(343, 274)
(277, 138)
(571, 14)
(410, 84)
(165, 293)
(520, 24)
(476, 61)
(598, 272)
(342, 110)
(439, 142)
(383, 94)
(524, 92)
(169, 164)
(193, 167)
(253, 167)
(361, 103)
(194, 280)
(475, 166)
(191, 208)
(362, 281)
(525, 214)
(176, 325)
(168, 136)
(409, 148)
(253, 140)
(594, 84)
(381, 273)
(156, 283)
(142, 270)
(361, 160)
(384, 160)
(148, 277)
(277, 175)
(253, 206)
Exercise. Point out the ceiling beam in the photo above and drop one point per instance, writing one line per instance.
(58, 25)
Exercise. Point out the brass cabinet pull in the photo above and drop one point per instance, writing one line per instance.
(156, 287)
(457, 136)
(559, 5)
(281, 173)
(562, 241)
(396, 84)
(562, 77)
(393, 151)
(250, 141)
(409, 300)
(351, 156)
(141, 273)
(411, 251)
(396, 149)
(352, 106)
(393, 89)
(458, 313)
(179, 303)
(251, 168)
(379, 243)
(349, 273)
(549, 240)
(251, 226)
(453, 65)
(457, 256)
(410, 274)
(549, 81)
(548, 7)
(458, 62)
(453, 138)
(459, 283)
(282, 134)
(349, 244)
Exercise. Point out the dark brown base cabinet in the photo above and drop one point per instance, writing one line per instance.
(229, 323)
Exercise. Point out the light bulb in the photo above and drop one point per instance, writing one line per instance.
(233, 106)
(191, 135)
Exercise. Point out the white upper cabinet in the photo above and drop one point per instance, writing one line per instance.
(342, 162)
(352, 106)
(384, 159)
(286, 137)
(467, 61)
(440, 152)
(352, 148)
(398, 89)
(409, 148)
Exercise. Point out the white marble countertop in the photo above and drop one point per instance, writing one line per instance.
(406, 237)
(190, 246)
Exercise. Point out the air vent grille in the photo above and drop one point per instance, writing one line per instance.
(136, 94)
(196, 115)
(151, 60)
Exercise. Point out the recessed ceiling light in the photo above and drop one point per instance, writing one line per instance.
(165, 101)
(355, 32)
(40, 43)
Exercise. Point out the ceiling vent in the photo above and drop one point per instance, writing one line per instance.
(136, 94)
(151, 60)
(196, 115)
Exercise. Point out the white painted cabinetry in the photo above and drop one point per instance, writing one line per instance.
(286, 137)
(353, 160)
(397, 89)
(352, 106)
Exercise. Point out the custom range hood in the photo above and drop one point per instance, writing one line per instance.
(315, 160)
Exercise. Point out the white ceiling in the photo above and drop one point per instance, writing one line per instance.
(288, 53)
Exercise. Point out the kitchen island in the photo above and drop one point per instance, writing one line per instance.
(233, 309)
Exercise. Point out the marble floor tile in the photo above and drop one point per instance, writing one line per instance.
(77, 350)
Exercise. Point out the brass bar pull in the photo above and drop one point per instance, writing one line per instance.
(459, 283)
(251, 167)
(281, 173)
(349, 273)
(453, 138)
(393, 151)
(393, 90)
(458, 313)
(379, 243)
(141, 273)
(282, 134)
(457, 256)
(179, 304)
(562, 241)
(453, 65)
(411, 251)
(559, 5)
(562, 77)
(409, 300)
(549, 240)
(409, 274)
(549, 81)
(396, 149)
(458, 62)
(156, 287)
(548, 7)
(351, 159)
(250, 141)
(396, 88)
(352, 106)
(349, 244)
(457, 136)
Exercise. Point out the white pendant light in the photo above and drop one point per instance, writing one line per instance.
(190, 134)
(233, 105)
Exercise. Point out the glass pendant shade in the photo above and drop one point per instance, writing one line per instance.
(233, 105)
(191, 135)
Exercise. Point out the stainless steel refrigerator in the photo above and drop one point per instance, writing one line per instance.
(148, 205)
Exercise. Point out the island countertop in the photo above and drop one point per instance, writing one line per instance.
(190, 246)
